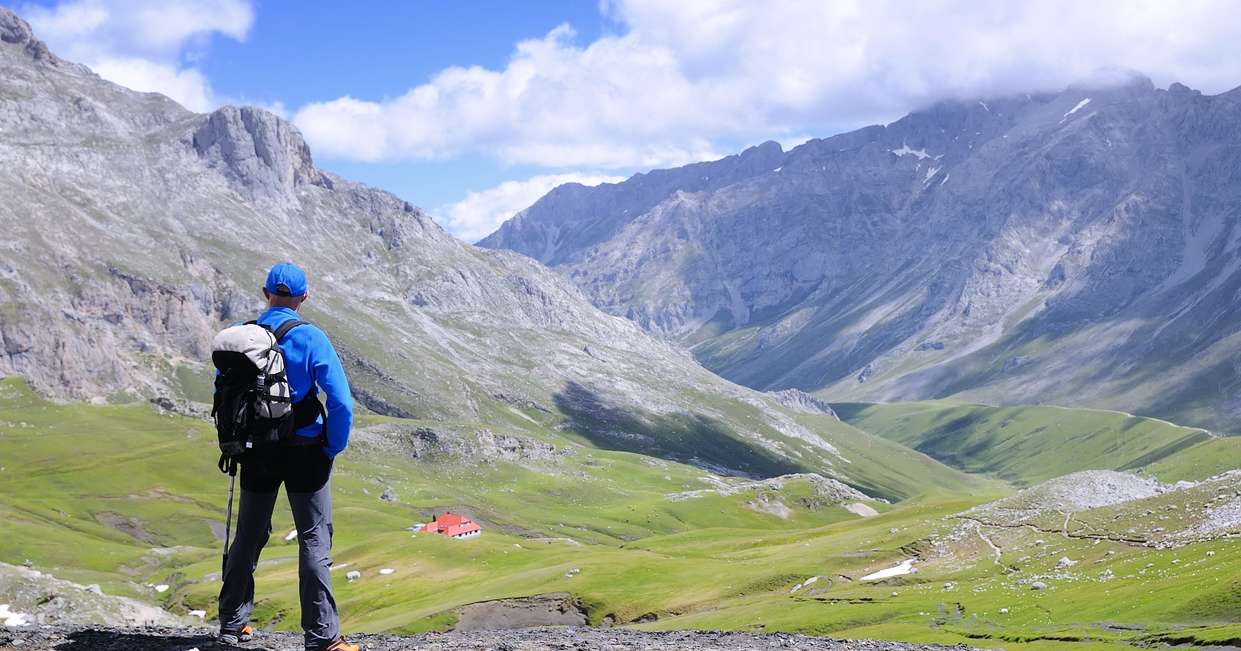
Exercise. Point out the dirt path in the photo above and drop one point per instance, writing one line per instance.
(538, 639)
(995, 549)
(1132, 542)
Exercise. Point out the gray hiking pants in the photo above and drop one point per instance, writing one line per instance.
(305, 473)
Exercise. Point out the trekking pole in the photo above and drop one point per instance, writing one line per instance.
(228, 517)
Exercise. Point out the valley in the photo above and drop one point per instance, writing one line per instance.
(636, 541)
(965, 378)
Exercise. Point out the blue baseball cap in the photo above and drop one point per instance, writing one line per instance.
(286, 279)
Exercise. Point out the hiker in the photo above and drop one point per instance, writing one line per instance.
(302, 462)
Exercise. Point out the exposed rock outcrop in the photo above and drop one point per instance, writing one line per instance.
(1071, 493)
(257, 150)
(802, 401)
(45, 600)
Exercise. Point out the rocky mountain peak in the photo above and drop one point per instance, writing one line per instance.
(255, 148)
(1177, 88)
(763, 154)
(15, 31)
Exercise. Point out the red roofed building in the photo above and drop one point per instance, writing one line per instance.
(453, 526)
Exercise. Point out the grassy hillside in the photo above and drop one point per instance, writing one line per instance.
(1028, 444)
(123, 496)
(126, 497)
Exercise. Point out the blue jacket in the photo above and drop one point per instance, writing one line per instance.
(311, 360)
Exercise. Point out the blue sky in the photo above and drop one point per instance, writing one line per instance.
(472, 110)
(299, 52)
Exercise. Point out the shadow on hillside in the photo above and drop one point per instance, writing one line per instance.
(118, 641)
(683, 437)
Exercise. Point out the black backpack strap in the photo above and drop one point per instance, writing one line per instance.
(286, 327)
(310, 407)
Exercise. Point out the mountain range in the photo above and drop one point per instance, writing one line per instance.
(1074, 248)
(135, 229)
(619, 483)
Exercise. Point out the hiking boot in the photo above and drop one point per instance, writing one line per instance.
(237, 637)
(341, 645)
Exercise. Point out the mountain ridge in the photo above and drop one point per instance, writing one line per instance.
(1026, 246)
(138, 228)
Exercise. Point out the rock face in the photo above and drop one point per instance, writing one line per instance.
(15, 31)
(257, 151)
(798, 399)
(1076, 247)
(135, 229)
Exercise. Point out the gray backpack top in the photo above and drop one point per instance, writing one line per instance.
(253, 404)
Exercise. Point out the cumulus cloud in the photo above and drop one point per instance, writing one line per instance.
(480, 213)
(147, 45)
(682, 75)
(187, 86)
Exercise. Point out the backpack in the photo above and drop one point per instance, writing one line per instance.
(253, 405)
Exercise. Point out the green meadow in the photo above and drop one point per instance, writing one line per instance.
(1029, 444)
(128, 497)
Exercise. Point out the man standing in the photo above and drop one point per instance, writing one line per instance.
(303, 465)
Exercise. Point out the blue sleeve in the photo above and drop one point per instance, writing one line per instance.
(330, 376)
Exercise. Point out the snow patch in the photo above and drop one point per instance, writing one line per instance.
(805, 584)
(163, 587)
(291, 536)
(1080, 105)
(386, 571)
(11, 618)
(904, 567)
(905, 150)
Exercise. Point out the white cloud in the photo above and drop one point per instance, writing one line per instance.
(788, 143)
(143, 44)
(480, 213)
(686, 74)
(187, 86)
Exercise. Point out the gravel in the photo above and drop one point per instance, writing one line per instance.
(603, 639)
(1072, 493)
(1226, 517)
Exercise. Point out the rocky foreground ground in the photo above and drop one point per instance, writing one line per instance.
(158, 639)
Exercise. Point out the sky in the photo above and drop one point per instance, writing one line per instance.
(474, 109)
